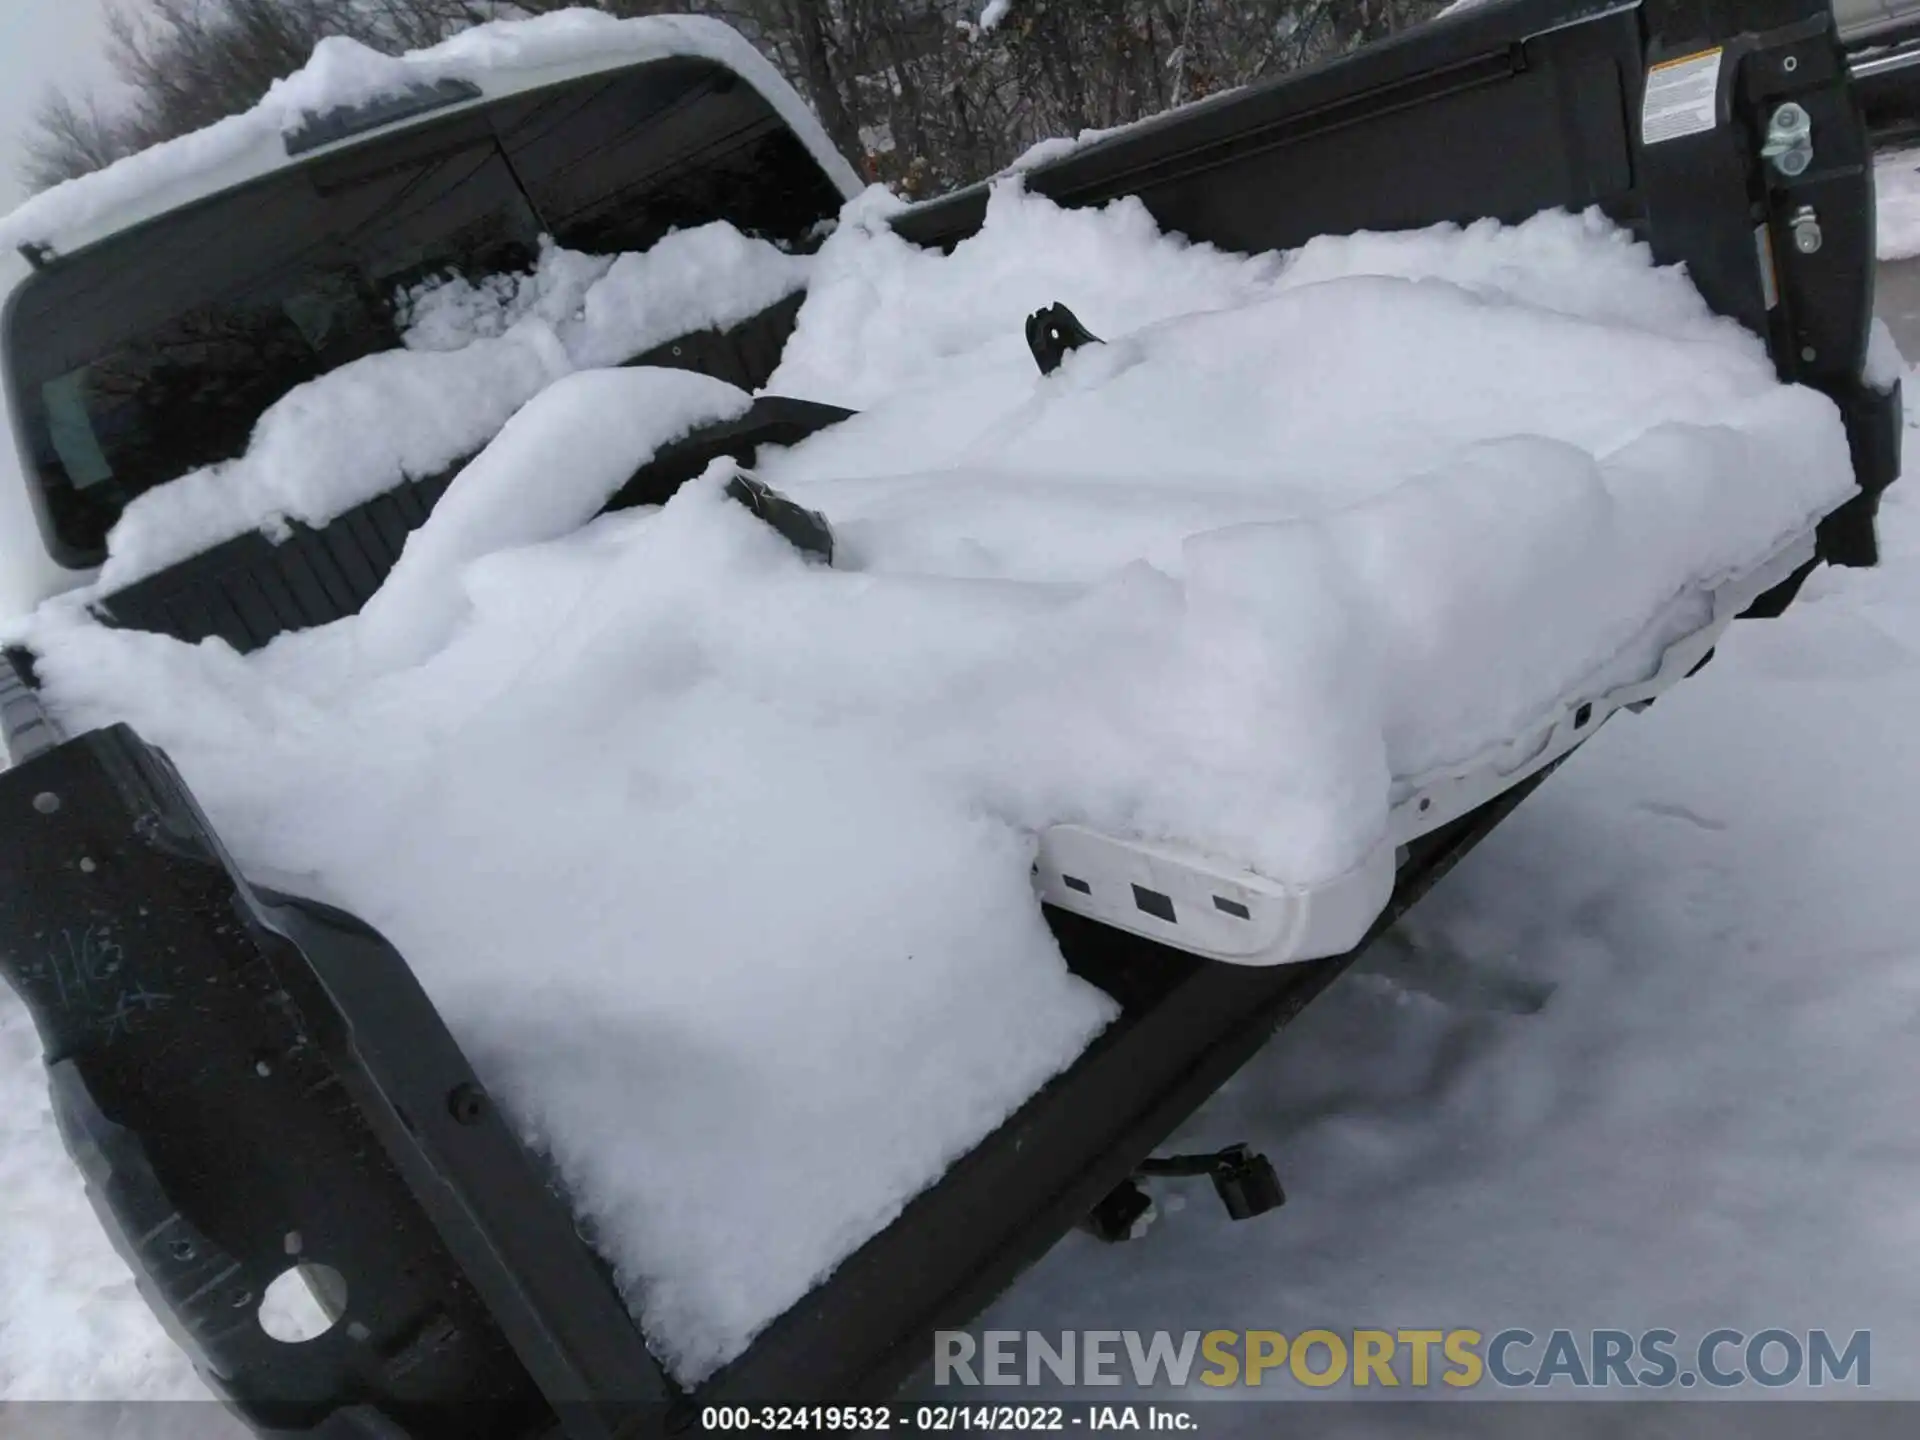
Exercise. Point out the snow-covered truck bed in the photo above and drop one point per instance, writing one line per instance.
(1215, 639)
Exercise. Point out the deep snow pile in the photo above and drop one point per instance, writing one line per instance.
(1395, 494)
(714, 858)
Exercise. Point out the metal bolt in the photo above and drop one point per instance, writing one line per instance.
(46, 802)
(87, 867)
(1808, 353)
(1789, 140)
(466, 1104)
(1806, 231)
(1790, 122)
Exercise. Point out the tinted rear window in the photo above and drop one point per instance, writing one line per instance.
(154, 353)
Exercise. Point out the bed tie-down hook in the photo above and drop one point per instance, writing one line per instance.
(1053, 334)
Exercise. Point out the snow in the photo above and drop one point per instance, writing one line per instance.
(1644, 1059)
(502, 58)
(72, 1325)
(712, 856)
(600, 420)
(1058, 147)
(701, 922)
(1896, 194)
(1885, 367)
(1398, 542)
(476, 353)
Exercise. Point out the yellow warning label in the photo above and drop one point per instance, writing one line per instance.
(1682, 97)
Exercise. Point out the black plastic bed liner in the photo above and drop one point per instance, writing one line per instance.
(252, 1081)
(251, 588)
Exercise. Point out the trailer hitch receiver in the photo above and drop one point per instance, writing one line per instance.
(1244, 1180)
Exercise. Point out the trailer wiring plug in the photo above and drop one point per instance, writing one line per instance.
(1244, 1180)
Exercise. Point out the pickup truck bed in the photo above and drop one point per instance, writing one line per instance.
(399, 1161)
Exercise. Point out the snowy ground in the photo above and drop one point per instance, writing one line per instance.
(1896, 184)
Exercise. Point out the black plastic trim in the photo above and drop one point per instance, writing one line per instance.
(771, 420)
(250, 1082)
(26, 727)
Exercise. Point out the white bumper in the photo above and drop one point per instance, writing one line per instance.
(1220, 911)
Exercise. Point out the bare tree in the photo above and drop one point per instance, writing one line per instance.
(69, 138)
(192, 62)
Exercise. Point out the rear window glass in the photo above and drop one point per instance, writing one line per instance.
(155, 353)
(158, 353)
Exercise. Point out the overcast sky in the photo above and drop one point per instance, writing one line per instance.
(43, 43)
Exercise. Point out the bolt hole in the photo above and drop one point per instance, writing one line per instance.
(1790, 64)
(1426, 803)
(182, 1249)
(1582, 715)
(303, 1303)
(466, 1104)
